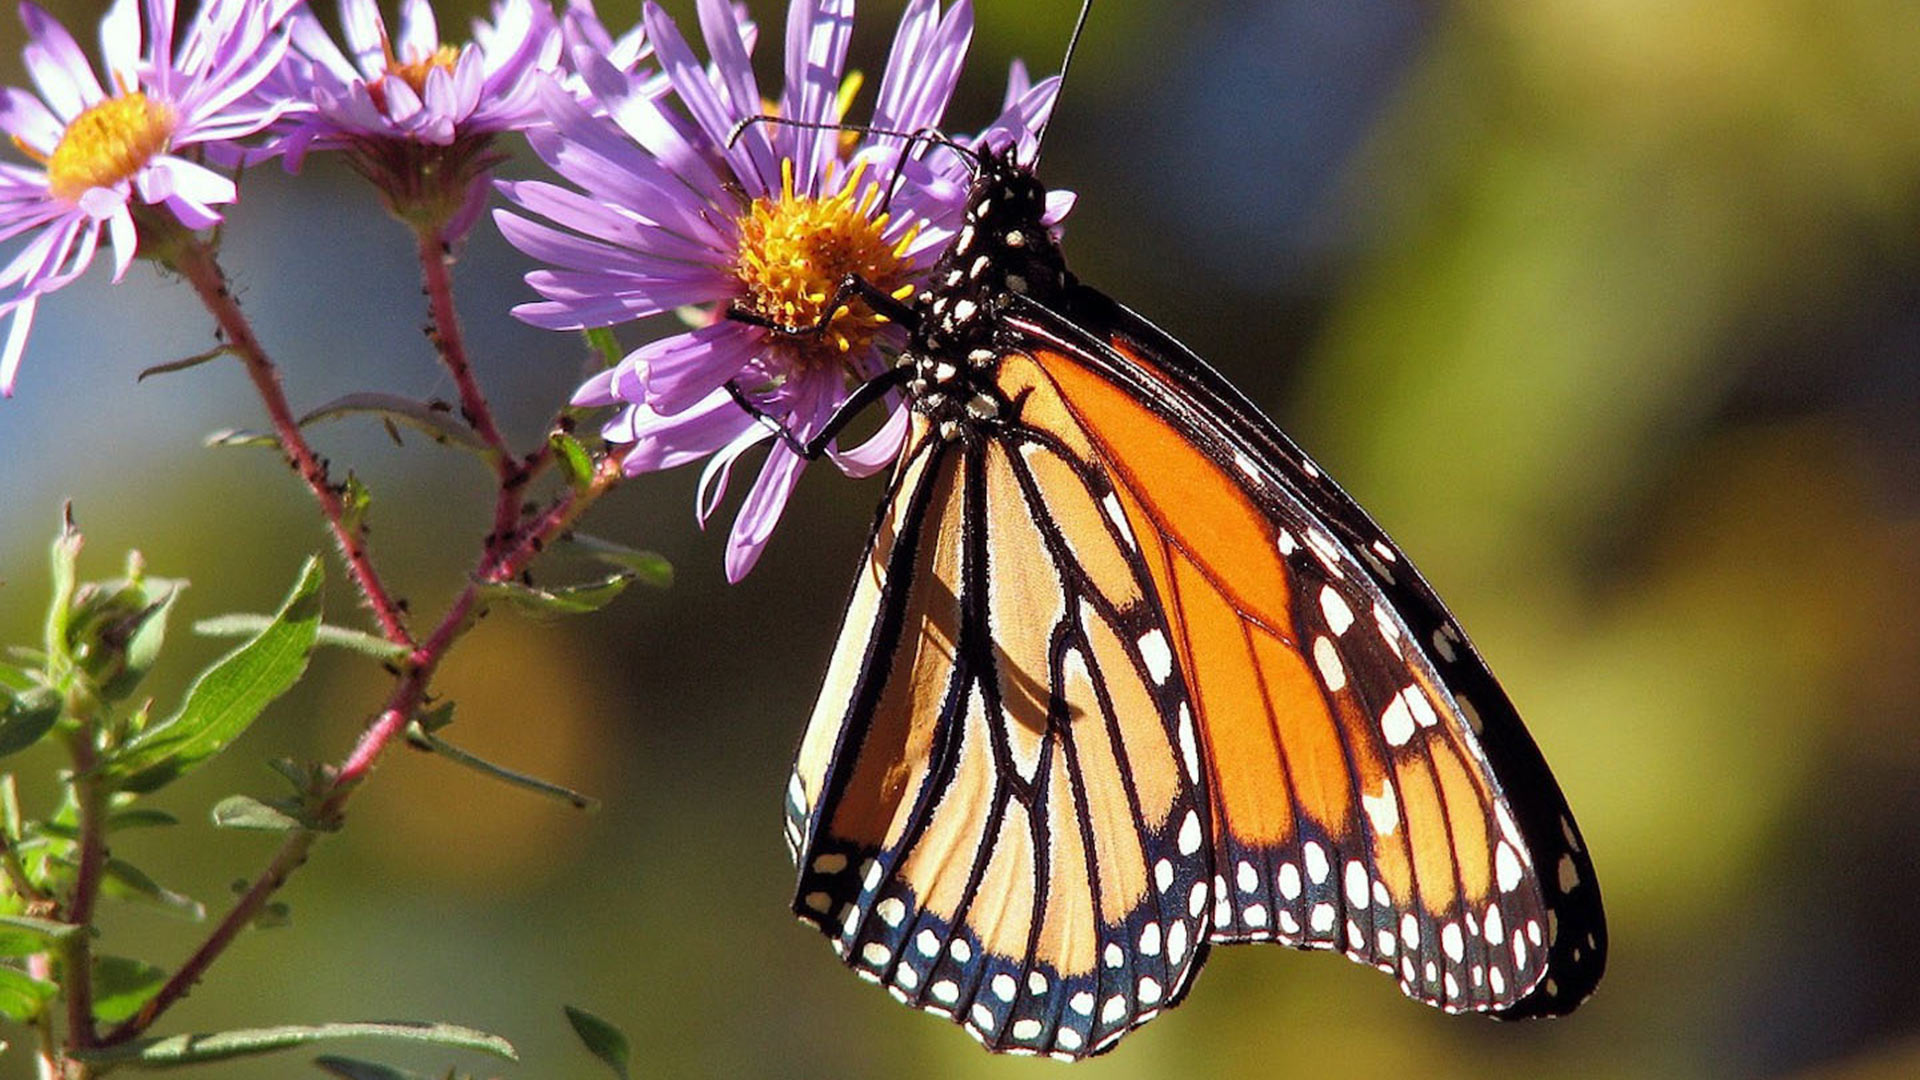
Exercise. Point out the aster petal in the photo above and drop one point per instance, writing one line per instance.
(880, 448)
(817, 35)
(125, 241)
(761, 510)
(20, 313)
(690, 82)
(120, 42)
(719, 470)
(58, 67)
(311, 40)
(419, 31)
(366, 34)
(733, 71)
(919, 82)
(680, 371)
(27, 119)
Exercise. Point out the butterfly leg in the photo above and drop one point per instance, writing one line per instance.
(851, 287)
(857, 402)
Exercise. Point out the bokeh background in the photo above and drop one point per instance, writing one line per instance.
(1607, 309)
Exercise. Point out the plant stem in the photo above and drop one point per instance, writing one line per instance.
(77, 955)
(196, 262)
(511, 557)
(449, 341)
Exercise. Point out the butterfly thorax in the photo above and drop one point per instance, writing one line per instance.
(1003, 255)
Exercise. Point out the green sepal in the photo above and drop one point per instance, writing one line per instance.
(565, 600)
(121, 985)
(227, 697)
(574, 460)
(602, 1039)
(223, 1045)
(650, 567)
(605, 346)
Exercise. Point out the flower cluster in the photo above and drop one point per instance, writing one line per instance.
(681, 188)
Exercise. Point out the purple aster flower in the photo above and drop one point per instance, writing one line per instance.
(105, 160)
(675, 209)
(416, 116)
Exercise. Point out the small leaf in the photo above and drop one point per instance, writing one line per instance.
(48, 931)
(239, 437)
(21, 995)
(228, 696)
(435, 421)
(273, 915)
(574, 459)
(246, 812)
(566, 600)
(218, 1046)
(651, 567)
(143, 647)
(337, 637)
(66, 556)
(182, 365)
(121, 985)
(139, 817)
(608, 1043)
(26, 719)
(421, 737)
(16, 680)
(126, 881)
(355, 501)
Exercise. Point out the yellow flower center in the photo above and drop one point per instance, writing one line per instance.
(108, 143)
(413, 72)
(795, 250)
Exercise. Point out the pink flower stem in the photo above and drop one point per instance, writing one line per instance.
(433, 249)
(197, 264)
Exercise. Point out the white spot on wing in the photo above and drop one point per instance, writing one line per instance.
(1159, 659)
(1190, 834)
(1327, 658)
(1111, 504)
(1383, 810)
(1334, 607)
(1396, 723)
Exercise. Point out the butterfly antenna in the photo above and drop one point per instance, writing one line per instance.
(1073, 45)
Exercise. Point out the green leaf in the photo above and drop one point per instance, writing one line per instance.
(16, 680)
(139, 817)
(49, 932)
(246, 812)
(227, 697)
(651, 567)
(182, 365)
(121, 985)
(566, 600)
(419, 735)
(574, 459)
(26, 719)
(354, 1069)
(435, 419)
(125, 881)
(338, 637)
(239, 437)
(608, 1043)
(21, 995)
(219, 1046)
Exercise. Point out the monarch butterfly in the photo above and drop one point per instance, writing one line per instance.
(1124, 674)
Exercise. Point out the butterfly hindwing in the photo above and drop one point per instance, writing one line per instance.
(992, 815)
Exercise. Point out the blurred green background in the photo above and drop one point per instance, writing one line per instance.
(1607, 309)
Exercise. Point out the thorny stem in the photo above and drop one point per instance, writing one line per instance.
(196, 262)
